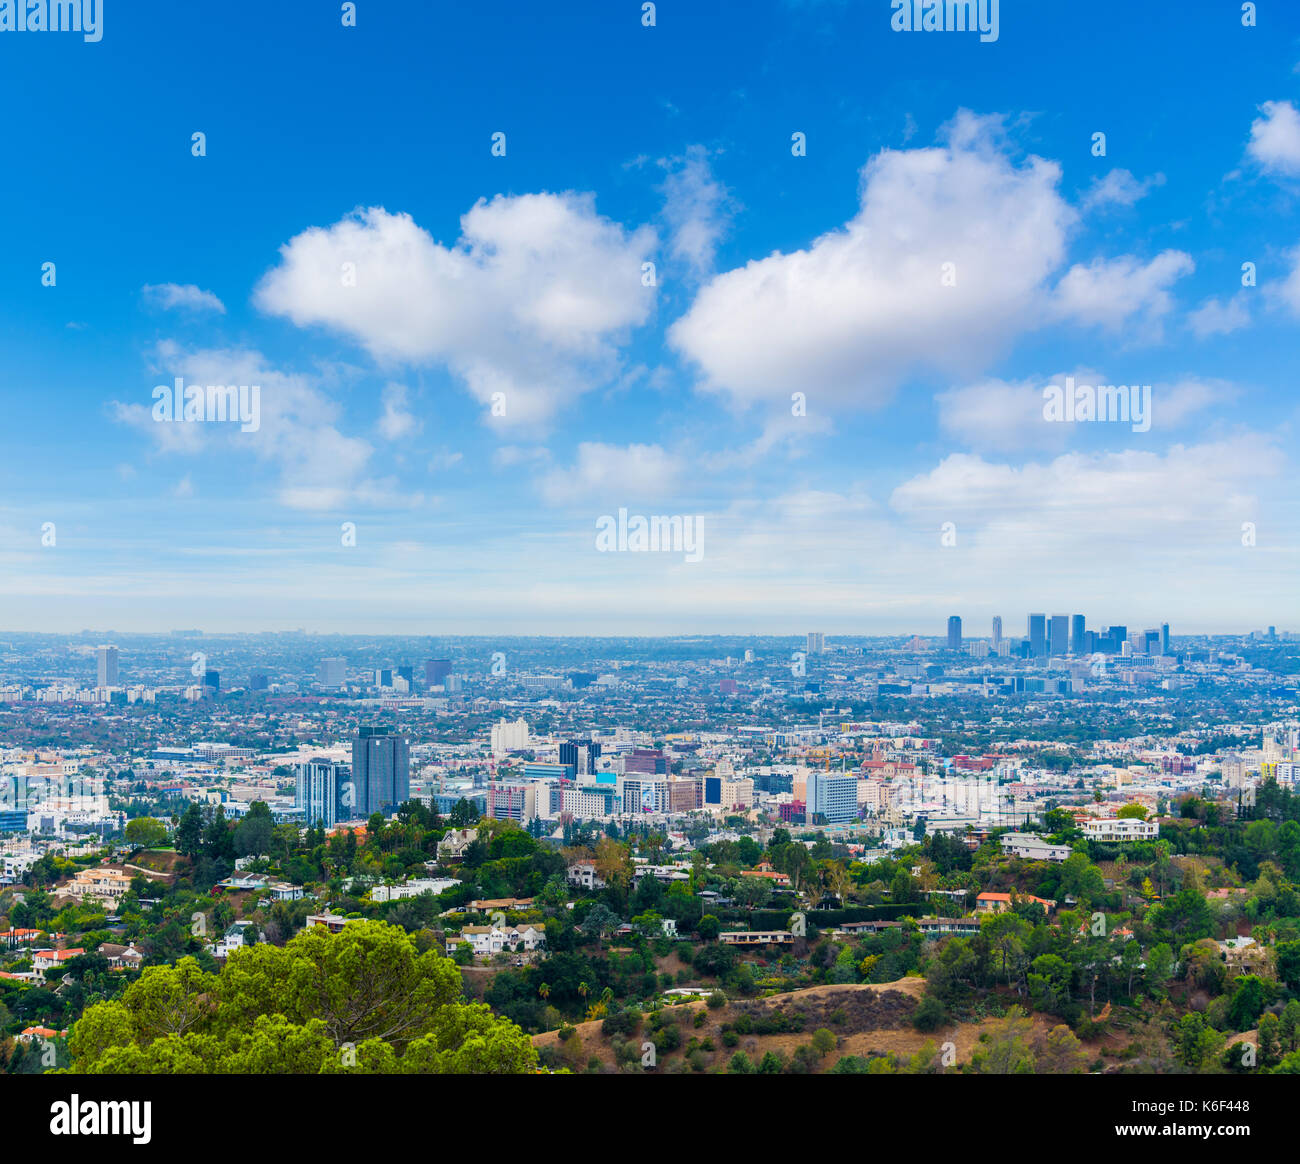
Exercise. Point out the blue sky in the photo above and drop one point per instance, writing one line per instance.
(774, 275)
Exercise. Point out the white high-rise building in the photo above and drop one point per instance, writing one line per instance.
(106, 666)
(509, 737)
(816, 642)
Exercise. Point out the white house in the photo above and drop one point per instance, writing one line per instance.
(488, 940)
(1121, 829)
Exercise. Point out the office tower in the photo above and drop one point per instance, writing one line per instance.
(381, 769)
(1116, 637)
(212, 679)
(407, 672)
(1059, 634)
(1090, 642)
(1164, 637)
(106, 667)
(436, 672)
(384, 677)
(816, 642)
(1077, 634)
(649, 761)
(258, 681)
(580, 756)
(954, 633)
(833, 795)
(1150, 641)
(326, 793)
(997, 631)
(1037, 635)
(332, 672)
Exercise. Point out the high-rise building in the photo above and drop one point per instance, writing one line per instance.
(1037, 635)
(407, 672)
(258, 681)
(1164, 637)
(381, 768)
(997, 631)
(326, 793)
(1077, 635)
(833, 795)
(509, 737)
(106, 667)
(816, 642)
(436, 672)
(954, 633)
(212, 679)
(332, 672)
(580, 756)
(1059, 634)
(649, 761)
(384, 677)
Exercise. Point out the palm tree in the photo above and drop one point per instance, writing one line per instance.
(544, 990)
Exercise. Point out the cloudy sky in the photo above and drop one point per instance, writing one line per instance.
(774, 267)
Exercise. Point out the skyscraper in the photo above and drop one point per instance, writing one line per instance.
(1076, 635)
(212, 679)
(326, 793)
(954, 633)
(1037, 635)
(381, 770)
(106, 667)
(1060, 634)
(1164, 637)
(436, 672)
(997, 631)
(816, 642)
(580, 755)
(332, 672)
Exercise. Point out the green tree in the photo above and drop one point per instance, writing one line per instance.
(146, 832)
(363, 1000)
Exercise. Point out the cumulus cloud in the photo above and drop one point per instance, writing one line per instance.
(865, 305)
(1275, 138)
(319, 467)
(1111, 293)
(697, 209)
(1220, 317)
(1119, 188)
(1185, 494)
(1002, 416)
(184, 297)
(614, 475)
(397, 420)
(531, 301)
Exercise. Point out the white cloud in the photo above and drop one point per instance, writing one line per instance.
(1111, 293)
(185, 297)
(397, 420)
(615, 475)
(1119, 188)
(1216, 317)
(1002, 415)
(1288, 292)
(319, 467)
(530, 302)
(1275, 138)
(697, 209)
(1184, 496)
(849, 317)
